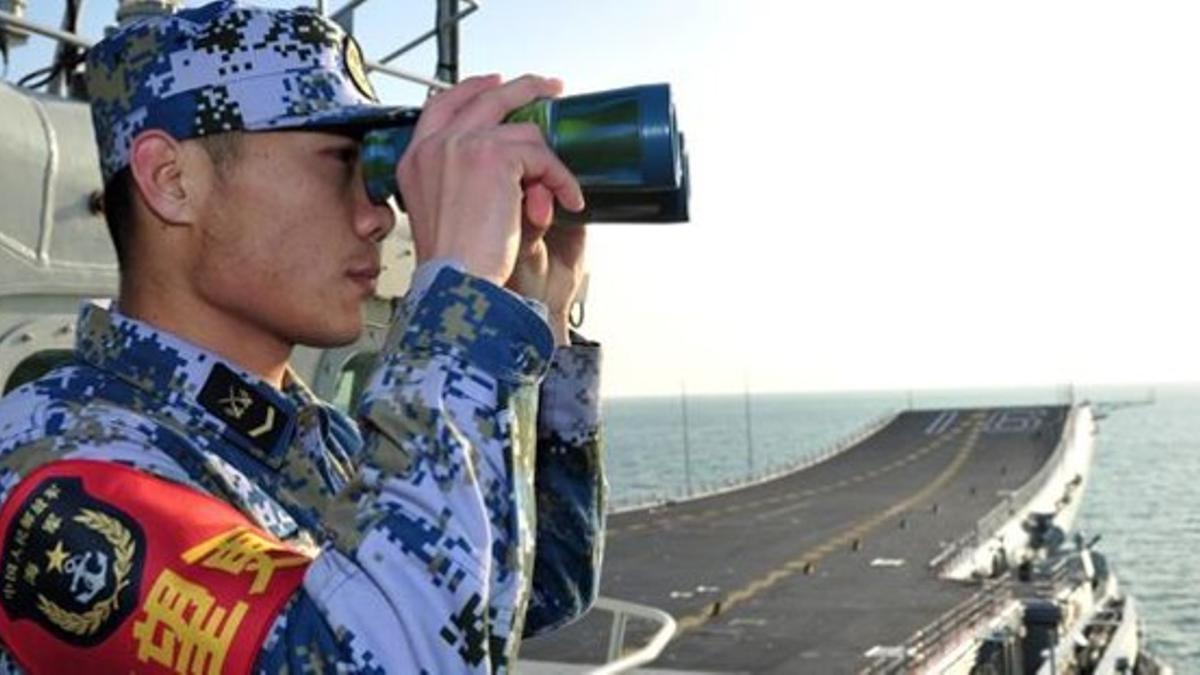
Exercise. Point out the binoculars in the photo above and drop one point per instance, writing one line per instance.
(622, 145)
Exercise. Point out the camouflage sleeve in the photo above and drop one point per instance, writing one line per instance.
(571, 490)
(430, 547)
(7, 665)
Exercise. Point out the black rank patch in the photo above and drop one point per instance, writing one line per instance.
(238, 404)
(71, 563)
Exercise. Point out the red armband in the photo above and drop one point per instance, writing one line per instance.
(107, 568)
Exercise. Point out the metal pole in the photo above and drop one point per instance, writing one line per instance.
(616, 636)
(687, 452)
(447, 41)
(345, 13)
(749, 432)
(406, 75)
(404, 49)
(61, 84)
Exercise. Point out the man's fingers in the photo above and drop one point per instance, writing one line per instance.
(568, 240)
(539, 164)
(442, 107)
(566, 244)
(490, 107)
(539, 204)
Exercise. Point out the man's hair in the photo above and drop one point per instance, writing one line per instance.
(119, 212)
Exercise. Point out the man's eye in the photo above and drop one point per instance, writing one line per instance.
(345, 155)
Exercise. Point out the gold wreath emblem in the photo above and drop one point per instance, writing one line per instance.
(352, 55)
(87, 623)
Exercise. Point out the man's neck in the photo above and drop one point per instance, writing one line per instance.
(235, 339)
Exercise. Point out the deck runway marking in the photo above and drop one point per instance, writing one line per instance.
(856, 530)
(941, 423)
(782, 510)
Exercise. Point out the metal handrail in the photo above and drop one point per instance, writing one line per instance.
(622, 611)
(770, 473)
(9, 19)
(936, 637)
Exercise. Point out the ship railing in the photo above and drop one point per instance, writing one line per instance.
(739, 482)
(991, 522)
(618, 660)
(948, 630)
(1065, 573)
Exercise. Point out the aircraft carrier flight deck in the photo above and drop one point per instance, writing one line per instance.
(809, 571)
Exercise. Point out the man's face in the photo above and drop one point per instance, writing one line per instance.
(287, 240)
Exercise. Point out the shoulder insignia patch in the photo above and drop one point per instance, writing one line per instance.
(103, 566)
(234, 401)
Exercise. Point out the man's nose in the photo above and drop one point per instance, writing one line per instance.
(372, 221)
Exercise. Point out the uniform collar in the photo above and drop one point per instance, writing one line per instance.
(190, 381)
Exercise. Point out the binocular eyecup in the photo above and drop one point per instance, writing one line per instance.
(622, 145)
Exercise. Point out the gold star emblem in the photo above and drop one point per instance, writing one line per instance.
(57, 557)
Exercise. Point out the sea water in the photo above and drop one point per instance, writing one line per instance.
(1142, 497)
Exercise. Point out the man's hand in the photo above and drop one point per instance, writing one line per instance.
(550, 269)
(466, 176)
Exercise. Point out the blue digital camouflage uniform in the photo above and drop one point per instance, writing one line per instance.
(463, 510)
(423, 515)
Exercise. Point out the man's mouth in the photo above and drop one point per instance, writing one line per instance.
(366, 275)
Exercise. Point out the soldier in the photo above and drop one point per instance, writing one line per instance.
(175, 500)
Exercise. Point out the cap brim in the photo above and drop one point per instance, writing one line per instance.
(363, 117)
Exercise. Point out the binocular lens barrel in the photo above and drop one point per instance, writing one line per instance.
(623, 146)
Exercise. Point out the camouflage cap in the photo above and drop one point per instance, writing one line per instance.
(226, 67)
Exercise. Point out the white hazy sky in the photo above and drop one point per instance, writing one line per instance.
(885, 195)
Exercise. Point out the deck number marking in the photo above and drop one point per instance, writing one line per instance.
(1015, 421)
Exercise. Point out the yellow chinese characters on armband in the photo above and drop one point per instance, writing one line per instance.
(105, 567)
(242, 550)
(183, 628)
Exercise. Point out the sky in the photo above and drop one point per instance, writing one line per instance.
(884, 195)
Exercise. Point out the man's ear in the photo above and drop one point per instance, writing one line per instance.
(159, 164)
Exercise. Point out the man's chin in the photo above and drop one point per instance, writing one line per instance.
(332, 338)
